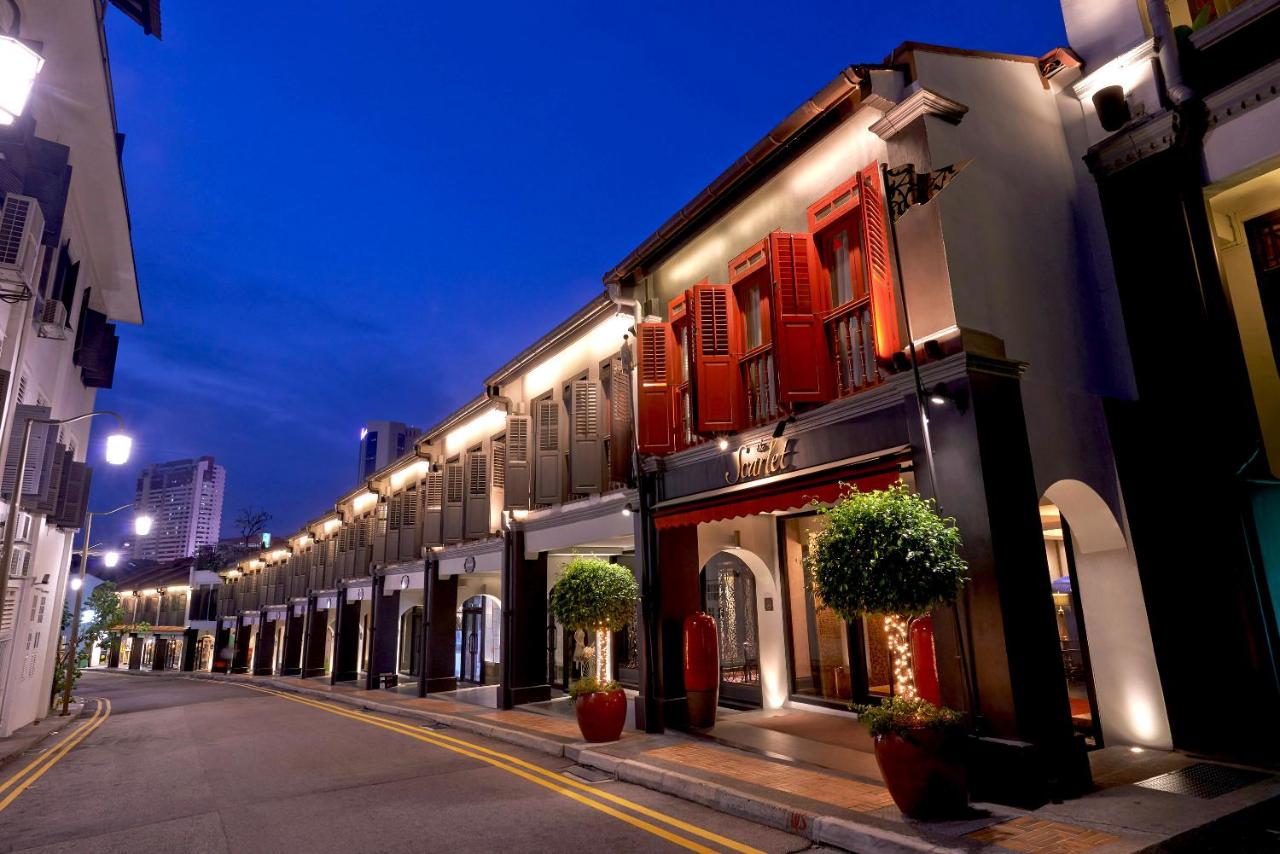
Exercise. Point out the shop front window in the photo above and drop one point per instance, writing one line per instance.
(831, 659)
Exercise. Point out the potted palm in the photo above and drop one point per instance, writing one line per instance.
(594, 595)
(888, 555)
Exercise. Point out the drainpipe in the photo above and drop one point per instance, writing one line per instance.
(1170, 65)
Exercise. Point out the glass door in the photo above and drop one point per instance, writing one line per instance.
(411, 641)
(472, 663)
(729, 596)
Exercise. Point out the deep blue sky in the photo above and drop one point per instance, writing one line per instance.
(341, 216)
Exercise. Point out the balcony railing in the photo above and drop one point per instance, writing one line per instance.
(761, 382)
(852, 338)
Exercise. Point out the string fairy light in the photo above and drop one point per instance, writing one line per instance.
(899, 641)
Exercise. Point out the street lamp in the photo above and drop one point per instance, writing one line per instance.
(19, 66)
(109, 559)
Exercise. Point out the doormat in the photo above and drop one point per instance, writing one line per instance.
(1203, 780)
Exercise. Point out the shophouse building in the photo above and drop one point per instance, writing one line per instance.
(169, 618)
(791, 345)
(1177, 117)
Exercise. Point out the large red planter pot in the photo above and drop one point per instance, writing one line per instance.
(701, 669)
(924, 772)
(601, 715)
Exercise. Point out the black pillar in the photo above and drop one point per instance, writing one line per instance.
(346, 641)
(222, 648)
(291, 664)
(439, 632)
(159, 652)
(113, 651)
(244, 633)
(384, 628)
(524, 625)
(317, 640)
(673, 588)
(135, 652)
(190, 638)
(264, 650)
(1013, 658)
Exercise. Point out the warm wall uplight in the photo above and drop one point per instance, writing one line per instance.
(19, 66)
(118, 448)
(603, 339)
(414, 472)
(332, 525)
(364, 501)
(142, 525)
(109, 560)
(480, 427)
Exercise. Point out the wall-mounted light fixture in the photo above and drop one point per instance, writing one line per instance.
(723, 443)
(781, 426)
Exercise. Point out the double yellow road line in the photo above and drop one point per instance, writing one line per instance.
(42, 763)
(634, 814)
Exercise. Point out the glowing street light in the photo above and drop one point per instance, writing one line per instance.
(109, 560)
(142, 525)
(76, 583)
(19, 66)
(118, 447)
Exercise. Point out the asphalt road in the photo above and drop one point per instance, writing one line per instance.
(196, 766)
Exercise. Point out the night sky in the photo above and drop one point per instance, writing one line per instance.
(341, 216)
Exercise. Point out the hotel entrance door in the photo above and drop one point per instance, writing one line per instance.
(472, 664)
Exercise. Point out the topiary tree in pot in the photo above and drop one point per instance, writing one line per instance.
(888, 554)
(594, 595)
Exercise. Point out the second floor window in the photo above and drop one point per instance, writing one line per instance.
(751, 316)
(841, 252)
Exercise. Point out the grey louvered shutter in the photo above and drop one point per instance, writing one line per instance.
(35, 449)
(453, 486)
(478, 484)
(73, 498)
(620, 420)
(47, 499)
(433, 510)
(516, 490)
(550, 460)
(586, 437)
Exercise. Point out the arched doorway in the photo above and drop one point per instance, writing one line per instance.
(1107, 655)
(729, 596)
(204, 653)
(479, 640)
(410, 662)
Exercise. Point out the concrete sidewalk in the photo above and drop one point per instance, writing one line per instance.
(26, 742)
(827, 807)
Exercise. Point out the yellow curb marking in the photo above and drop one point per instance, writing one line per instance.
(43, 763)
(535, 774)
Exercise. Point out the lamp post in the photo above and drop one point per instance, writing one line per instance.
(117, 453)
(141, 526)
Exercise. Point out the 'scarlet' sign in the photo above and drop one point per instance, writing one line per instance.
(758, 459)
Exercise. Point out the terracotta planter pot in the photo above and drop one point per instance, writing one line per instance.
(924, 772)
(601, 715)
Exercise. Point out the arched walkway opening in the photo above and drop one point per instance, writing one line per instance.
(1107, 654)
(739, 591)
(479, 641)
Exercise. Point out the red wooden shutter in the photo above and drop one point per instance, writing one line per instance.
(655, 411)
(799, 343)
(717, 349)
(875, 242)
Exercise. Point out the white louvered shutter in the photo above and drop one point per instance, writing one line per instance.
(453, 504)
(478, 484)
(550, 461)
(433, 510)
(516, 488)
(586, 436)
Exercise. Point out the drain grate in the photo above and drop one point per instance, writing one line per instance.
(436, 726)
(587, 775)
(1203, 780)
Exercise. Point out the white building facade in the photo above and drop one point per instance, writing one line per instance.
(68, 277)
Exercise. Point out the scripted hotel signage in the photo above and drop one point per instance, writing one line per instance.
(759, 459)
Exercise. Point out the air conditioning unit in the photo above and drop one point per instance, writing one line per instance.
(21, 229)
(52, 320)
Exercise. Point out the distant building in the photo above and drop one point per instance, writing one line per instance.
(184, 498)
(382, 443)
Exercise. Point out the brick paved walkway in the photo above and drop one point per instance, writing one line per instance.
(1035, 835)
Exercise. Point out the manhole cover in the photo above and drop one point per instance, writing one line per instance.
(1203, 780)
(587, 775)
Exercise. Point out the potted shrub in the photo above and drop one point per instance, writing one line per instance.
(887, 554)
(594, 595)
